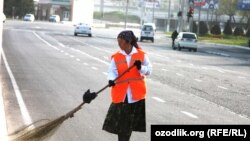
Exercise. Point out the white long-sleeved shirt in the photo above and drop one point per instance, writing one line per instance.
(146, 69)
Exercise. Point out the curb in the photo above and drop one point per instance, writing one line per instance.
(224, 45)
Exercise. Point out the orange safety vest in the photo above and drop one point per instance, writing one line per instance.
(133, 78)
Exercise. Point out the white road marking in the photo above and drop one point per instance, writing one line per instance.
(179, 74)
(3, 124)
(189, 114)
(156, 63)
(218, 53)
(158, 99)
(220, 71)
(72, 56)
(62, 51)
(86, 64)
(92, 57)
(191, 64)
(92, 46)
(77, 59)
(102, 41)
(241, 77)
(60, 44)
(94, 68)
(77, 50)
(24, 111)
(164, 69)
(198, 80)
(179, 61)
(148, 79)
(105, 73)
(45, 41)
(222, 87)
(205, 68)
(106, 57)
(161, 56)
(66, 53)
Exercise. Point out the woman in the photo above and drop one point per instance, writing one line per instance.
(127, 110)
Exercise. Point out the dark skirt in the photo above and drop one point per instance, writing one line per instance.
(123, 118)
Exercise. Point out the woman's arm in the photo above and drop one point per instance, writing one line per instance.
(146, 67)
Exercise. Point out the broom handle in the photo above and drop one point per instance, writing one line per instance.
(127, 70)
(71, 113)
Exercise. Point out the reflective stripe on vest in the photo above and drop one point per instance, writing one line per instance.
(129, 79)
(132, 79)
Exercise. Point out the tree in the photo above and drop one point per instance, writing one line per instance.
(194, 27)
(238, 31)
(216, 30)
(228, 7)
(245, 15)
(248, 33)
(9, 6)
(203, 28)
(19, 7)
(228, 28)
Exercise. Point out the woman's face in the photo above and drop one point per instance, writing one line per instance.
(122, 44)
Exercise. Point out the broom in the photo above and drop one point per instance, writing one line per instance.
(44, 131)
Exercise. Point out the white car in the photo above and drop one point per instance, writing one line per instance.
(151, 24)
(186, 40)
(29, 17)
(54, 18)
(83, 28)
(147, 32)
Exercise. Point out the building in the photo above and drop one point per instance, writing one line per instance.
(45, 8)
(68, 10)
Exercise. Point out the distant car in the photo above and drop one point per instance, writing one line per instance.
(186, 40)
(3, 17)
(147, 32)
(83, 28)
(29, 17)
(54, 18)
(151, 24)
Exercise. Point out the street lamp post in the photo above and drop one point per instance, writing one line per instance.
(126, 15)
(153, 15)
(169, 5)
(13, 12)
(101, 9)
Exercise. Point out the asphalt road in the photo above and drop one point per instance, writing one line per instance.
(52, 69)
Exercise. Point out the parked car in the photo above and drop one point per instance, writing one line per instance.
(54, 18)
(29, 17)
(147, 32)
(186, 40)
(83, 28)
(3, 17)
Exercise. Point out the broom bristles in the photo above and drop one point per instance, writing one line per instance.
(44, 131)
(39, 133)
